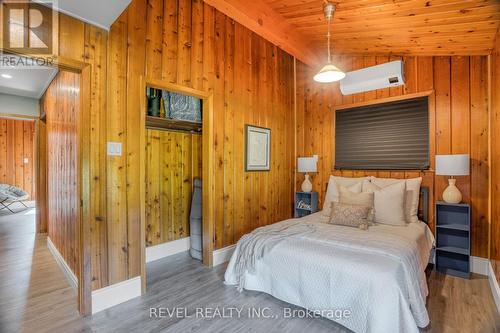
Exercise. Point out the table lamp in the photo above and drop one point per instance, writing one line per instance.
(452, 165)
(306, 165)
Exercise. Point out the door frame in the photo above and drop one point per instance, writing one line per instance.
(207, 166)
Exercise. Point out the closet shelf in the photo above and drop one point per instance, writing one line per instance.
(172, 124)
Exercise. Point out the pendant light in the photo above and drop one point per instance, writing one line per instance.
(329, 73)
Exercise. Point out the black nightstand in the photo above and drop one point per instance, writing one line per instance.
(305, 203)
(453, 239)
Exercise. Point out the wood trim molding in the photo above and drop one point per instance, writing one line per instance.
(83, 188)
(208, 183)
(142, 174)
(18, 116)
(383, 100)
(259, 17)
(159, 84)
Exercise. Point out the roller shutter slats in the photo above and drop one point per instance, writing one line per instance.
(388, 136)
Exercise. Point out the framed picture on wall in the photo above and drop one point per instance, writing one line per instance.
(257, 148)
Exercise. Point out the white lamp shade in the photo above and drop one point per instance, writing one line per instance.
(452, 165)
(307, 164)
(329, 73)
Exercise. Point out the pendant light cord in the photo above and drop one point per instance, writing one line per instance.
(328, 36)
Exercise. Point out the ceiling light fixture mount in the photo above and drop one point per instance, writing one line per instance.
(329, 73)
(6, 76)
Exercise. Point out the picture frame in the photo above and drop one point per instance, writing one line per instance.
(257, 148)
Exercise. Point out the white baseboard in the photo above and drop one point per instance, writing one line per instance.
(167, 249)
(73, 281)
(223, 255)
(115, 294)
(479, 265)
(495, 290)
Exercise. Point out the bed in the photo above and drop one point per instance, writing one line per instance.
(374, 278)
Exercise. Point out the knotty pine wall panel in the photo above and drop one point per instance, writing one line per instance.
(458, 124)
(173, 161)
(61, 104)
(495, 158)
(86, 43)
(17, 144)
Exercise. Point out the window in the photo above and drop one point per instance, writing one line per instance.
(387, 136)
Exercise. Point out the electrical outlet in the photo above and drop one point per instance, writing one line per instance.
(26, 161)
(114, 149)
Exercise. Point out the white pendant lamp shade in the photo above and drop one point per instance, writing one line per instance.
(329, 73)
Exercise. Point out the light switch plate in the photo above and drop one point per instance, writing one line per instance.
(26, 161)
(114, 149)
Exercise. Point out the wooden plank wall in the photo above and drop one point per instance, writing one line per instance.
(61, 104)
(458, 124)
(84, 42)
(16, 144)
(495, 158)
(173, 161)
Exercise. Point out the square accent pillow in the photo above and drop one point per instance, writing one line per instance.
(389, 203)
(349, 215)
(363, 199)
(412, 195)
(352, 198)
(333, 194)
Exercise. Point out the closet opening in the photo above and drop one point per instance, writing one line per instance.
(177, 173)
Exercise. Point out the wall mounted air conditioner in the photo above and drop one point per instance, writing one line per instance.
(390, 74)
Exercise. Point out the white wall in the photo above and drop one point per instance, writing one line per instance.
(17, 105)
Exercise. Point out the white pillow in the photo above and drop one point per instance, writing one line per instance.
(332, 192)
(412, 196)
(389, 203)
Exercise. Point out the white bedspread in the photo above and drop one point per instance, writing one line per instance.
(377, 275)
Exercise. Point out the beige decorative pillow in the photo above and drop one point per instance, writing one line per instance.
(389, 203)
(350, 215)
(332, 193)
(362, 199)
(412, 195)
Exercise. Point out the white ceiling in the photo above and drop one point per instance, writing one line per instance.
(101, 13)
(30, 82)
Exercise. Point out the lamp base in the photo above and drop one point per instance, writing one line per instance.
(451, 194)
(307, 186)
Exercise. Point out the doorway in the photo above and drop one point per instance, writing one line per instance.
(60, 180)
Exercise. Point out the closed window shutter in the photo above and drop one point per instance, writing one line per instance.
(388, 136)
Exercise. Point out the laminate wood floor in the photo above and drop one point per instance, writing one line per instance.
(36, 297)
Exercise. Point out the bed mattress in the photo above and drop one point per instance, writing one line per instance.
(376, 277)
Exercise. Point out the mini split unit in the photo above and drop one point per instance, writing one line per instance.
(386, 75)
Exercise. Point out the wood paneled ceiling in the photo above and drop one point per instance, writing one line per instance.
(420, 27)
